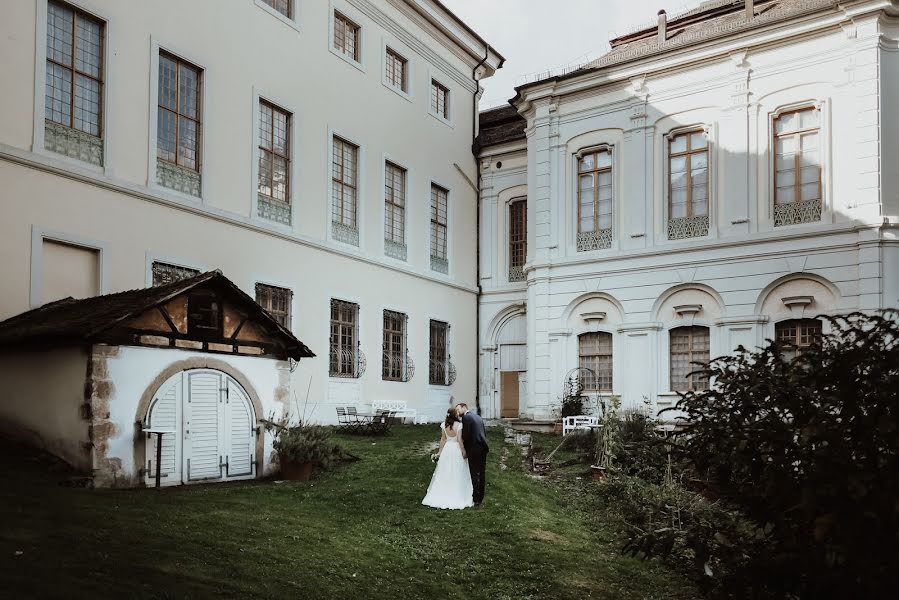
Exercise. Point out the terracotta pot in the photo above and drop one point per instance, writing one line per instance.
(557, 428)
(295, 471)
(599, 473)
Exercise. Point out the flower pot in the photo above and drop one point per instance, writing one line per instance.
(557, 428)
(296, 471)
(599, 473)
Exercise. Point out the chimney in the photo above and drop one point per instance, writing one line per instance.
(750, 9)
(663, 26)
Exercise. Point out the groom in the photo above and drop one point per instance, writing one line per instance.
(475, 441)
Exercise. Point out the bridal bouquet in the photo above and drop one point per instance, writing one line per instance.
(435, 457)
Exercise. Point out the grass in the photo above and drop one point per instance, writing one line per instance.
(359, 531)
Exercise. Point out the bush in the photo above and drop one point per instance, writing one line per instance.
(303, 443)
(643, 452)
(808, 449)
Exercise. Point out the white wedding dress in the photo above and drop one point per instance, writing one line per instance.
(451, 483)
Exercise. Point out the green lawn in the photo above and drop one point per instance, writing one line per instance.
(357, 532)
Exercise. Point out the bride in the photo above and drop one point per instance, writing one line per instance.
(451, 483)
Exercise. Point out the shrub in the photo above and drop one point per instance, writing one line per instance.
(303, 443)
(644, 452)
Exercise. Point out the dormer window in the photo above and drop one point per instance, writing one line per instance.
(204, 315)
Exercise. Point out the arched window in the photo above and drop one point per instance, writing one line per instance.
(796, 335)
(595, 354)
(688, 346)
(594, 200)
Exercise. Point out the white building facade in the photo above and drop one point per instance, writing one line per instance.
(317, 152)
(723, 177)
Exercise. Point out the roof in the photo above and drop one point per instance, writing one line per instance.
(70, 321)
(500, 126)
(711, 20)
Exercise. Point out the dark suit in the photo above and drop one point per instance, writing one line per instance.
(474, 438)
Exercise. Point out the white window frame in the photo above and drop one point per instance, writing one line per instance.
(40, 81)
(450, 230)
(357, 18)
(408, 208)
(664, 345)
(611, 148)
(293, 189)
(293, 22)
(403, 51)
(711, 133)
(152, 257)
(449, 121)
(360, 191)
(39, 234)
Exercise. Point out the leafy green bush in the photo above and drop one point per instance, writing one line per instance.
(644, 451)
(303, 443)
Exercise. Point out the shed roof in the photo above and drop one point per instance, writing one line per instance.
(71, 322)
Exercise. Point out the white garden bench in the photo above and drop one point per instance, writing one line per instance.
(395, 406)
(569, 424)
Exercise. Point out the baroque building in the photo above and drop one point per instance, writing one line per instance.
(718, 178)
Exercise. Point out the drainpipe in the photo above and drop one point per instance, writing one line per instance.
(477, 167)
(663, 26)
(750, 9)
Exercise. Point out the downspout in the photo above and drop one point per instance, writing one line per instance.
(477, 167)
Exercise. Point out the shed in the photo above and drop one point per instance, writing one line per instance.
(198, 358)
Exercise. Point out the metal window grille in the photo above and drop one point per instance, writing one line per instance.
(797, 185)
(595, 355)
(346, 36)
(164, 273)
(393, 367)
(344, 339)
(688, 175)
(595, 194)
(396, 70)
(74, 80)
(274, 152)
(394, 203)
(518, 239)
(797, 335)
(689, 350)
(439, 198)
(178, 121)
(439, 371)
(276, 301)
(343, 182)
(440, 99)
(282, 6)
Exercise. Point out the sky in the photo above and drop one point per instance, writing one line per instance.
(539, 35)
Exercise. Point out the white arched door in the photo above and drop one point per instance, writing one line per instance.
(214, 429)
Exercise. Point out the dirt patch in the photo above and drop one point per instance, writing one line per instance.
(547, 536)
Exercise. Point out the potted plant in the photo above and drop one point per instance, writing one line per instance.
(607, 438)
(302, 449)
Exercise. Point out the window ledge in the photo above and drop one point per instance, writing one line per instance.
(358, 64)
(274, 13)
(402, 94)
(442, 119)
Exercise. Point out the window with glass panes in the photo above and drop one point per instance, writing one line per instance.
(439, 197)
(282, 6)
(439, 354)
(439, 99)
(594, 191)
(688, 346)
(274, 152)
(164, 273)
(343, 182)
(276, 300)
(394, 203)
(518, 239)
(178, 116)
(688, 175)
(595, 354)
(796, 335)
(394, 360)
(396, 70)
(346, 37)
(344, 343)
(74, 80)
(797, 142)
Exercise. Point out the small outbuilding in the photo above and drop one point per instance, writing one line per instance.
(196, 361)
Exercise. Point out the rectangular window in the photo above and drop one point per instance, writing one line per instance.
(688, 175)
(797, 335)
(204, 315)
(439, 208)
(276, 301)
(689, 346)
(595, 355)
(518, 239)
(438, 373)
(178, 117)
(344, 350)
(394, 360)
(797, 141)
(74, 80)
(343, 183)
(439, 99)
(282, 6)
(395, 204)
(594, 191)
(346, 37)
(274, 153)
(396, 71)
(164, 273)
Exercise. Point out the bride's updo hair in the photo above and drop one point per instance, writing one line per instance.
(451, 418)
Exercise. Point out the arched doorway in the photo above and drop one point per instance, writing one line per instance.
(511, 343)
(213, 424)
